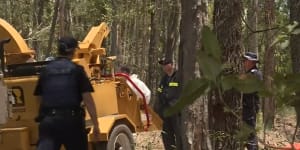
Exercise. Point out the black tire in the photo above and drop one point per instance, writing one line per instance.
(120, 138)
(99, 146)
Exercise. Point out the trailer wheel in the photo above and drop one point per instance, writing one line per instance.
(120, 139)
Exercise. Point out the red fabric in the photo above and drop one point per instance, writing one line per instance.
(289, 147)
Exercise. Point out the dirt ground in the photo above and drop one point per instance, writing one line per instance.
(148, 141)
(282, 132)
(275, 138)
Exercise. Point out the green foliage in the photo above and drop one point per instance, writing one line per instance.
(285, 88)
(247, 84)
(210, 66)
(193, 90)
(282, 12)
(213, 76)
(286, 91)
(283, 38)
(244, 132)
(210, 58)
(282, 54)
(211, 44)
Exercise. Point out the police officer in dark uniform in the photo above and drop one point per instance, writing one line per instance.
(251, 100)
(169, 92)
(62, 86)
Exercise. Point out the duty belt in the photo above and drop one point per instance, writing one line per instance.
(65, 112)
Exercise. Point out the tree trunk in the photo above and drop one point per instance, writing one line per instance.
(144, 41)
(228, 27)
(114, 33)
(68, 20)
(269, 62)
(38, 12)
(172, 30)
(193, 17)
(61, 16)
(251, 38)
(64, 18)
(295, 39)
(52, 28)
(152, 80)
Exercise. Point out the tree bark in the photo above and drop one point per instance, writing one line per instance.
(295, 39)
(269, 62)
(38, 12)
(61, 16)
(64, 18)
(251, 39)
(114, 31)
(228, 27)
(193, 17)
(152, 78)
(52, 28)
(172, 29)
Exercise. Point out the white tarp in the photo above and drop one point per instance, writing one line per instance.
(3, 103)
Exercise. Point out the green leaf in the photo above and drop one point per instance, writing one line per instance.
(209, 66)
(228, 82)
(280, 39)
(265, 93)
(249, 85)
(293, 78)
(191, 91)
(286, 84)
(292, 26)
(296, 31)
(244, 132)
(284, 44)
(211, 44)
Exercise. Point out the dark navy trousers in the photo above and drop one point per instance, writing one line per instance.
(171, 133)
(56, 130)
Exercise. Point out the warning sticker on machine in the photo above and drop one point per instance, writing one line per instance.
(16, 98)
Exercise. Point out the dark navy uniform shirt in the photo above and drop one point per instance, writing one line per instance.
(169, 89)
(61, 84)
(251, 100)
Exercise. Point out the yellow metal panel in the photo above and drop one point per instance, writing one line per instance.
(134, 108)
(105, 97)
(99, 51)
(94, 38)
(97, 34)
(17, 45)
(14, 139)
(26, 107)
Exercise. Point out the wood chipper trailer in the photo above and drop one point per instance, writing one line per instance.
(120, 112)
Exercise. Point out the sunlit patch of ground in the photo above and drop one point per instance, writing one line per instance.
(148, 141)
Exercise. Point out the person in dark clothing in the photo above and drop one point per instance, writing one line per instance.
(251, 100)
(168, 93)
(61, 88)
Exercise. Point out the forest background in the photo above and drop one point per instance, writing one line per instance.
(204, 37)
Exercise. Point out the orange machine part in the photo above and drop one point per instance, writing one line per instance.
(16, 51)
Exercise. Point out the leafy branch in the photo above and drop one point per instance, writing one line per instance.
(217, 77)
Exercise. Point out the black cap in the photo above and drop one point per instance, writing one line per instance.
(165, 61)
(251, 56)
(67, 45)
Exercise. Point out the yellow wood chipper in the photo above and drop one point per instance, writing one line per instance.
(120, 112)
